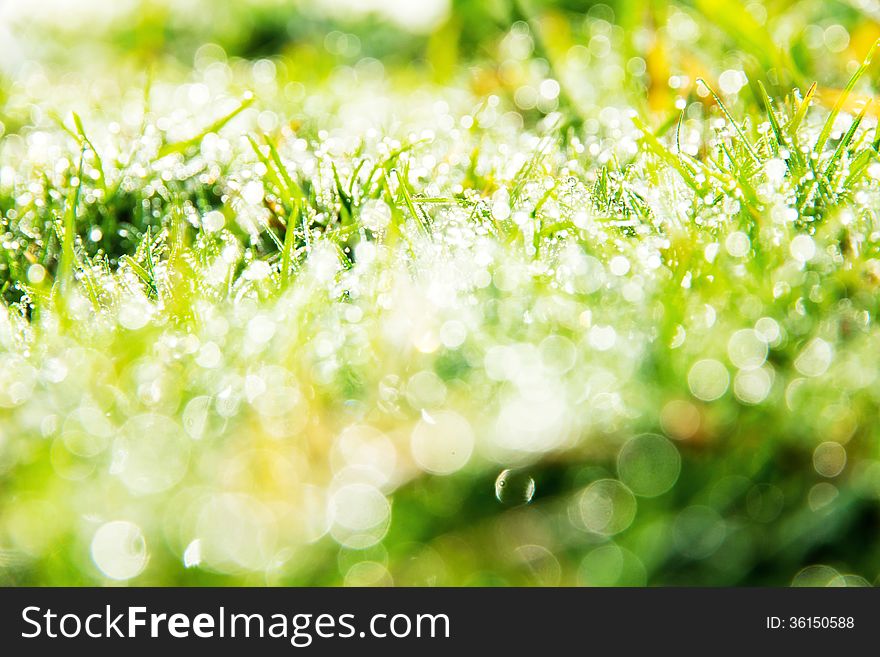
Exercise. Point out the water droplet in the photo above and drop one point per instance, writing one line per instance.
(444, 445)
(514, 487)
(708, 379)
(119, 550)
(610, 565)
(829, 459)
(753, 386)
(815, 575)
(821, 495)
(375, 215)
(815, 358)
(192, 556)
(649, 464)
(195, 417)
(213, 221)
(253, 192)
(360, 515)
(848, 581)
(607, 507)
(738, 244)
(747, 349)
(257, 270)
(542, 566)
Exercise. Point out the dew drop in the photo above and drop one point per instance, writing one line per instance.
(607, 507)
(213, 221)
(514, 487)
(119, 550)
(649, 465)
(192, 556)
(375, 215)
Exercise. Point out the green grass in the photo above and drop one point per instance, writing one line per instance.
(299, 321)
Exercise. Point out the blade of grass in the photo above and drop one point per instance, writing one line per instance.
(801, 112)
(841, 99)
(288, 246)
(295, 200)
(841, 147)
(141, 273)
(181, 146)
(407, 199)
(299, 204)
(68, 255)
(344, 198)
(860, 166)
(678, 133)
(99, 164)
(273, 176)
(354, 174)
(657, 148)
(735, 125)
(771, 116)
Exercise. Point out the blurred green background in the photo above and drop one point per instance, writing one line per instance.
(728, 492)
(784, 44)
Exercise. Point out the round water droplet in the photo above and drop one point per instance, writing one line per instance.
(514, 487)
(829, 459)
(360, 515)
(649, 464)
(747, 349)
(119, 550)
(610, 565)
(815, 575)
(213, 221)
(442, 445)
(375, 215)
(848, 581)
(708, 379)
(607, 507)
(543, 567)
(195, 416)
